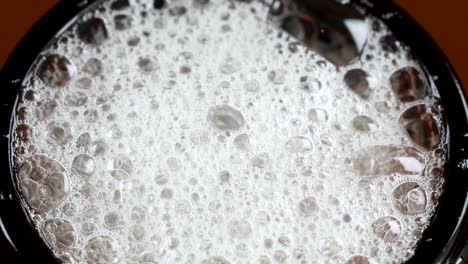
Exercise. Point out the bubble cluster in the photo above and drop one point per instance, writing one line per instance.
(410, 198)
(220, 132)
(60, 234)
(44, 182)
(384, 160)
(59, 133)
(388, 228)
(101, 249)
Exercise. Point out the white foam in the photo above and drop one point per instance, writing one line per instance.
(198, 144)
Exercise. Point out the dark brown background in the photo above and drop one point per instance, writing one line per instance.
(446, 21)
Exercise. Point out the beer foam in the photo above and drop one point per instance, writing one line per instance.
(199, 132)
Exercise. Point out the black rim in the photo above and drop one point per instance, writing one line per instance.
(443, 241)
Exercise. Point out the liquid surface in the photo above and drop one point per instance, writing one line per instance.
(229, 132)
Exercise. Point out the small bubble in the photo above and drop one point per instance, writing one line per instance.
(121, 167)
(299, 144)
(84, 83)
(435, 172)
(252, 86)
(215, 260)
(308, 206)
(119, 5)
(185, 69)
(148, 258)
(20, 151)
(224, 117)
(182, 207)
(224, 176)
(330, 247)
(59, 233)
(318, 115)
(88, 228)
(280, 256)
(137, 232)
(139, 213)
(161, 179)
(239, 229)
(242, 142)
(99, 147)
(389, 43)
(230, 65)
(261, 160)
(83, 165)
(22, 113)
(90, 115)
(311, 85)
(45, 109)
(167, 193)
(201, 2)
(159, 4)
(347, 218)
(357, 81)
(387, 228)
(76, 99)
(133, 41)
(24, 132)
(59, 133)
(199, 138)
(420, 126)
(30, 95)
(173, 164)
(178, 11)
(268, 243)
(242, 250)
(113, 220)
(364, 124)
(102, 249)
(56, 70)
(410, 198)
(294, 46)
(93, 67)
(284, 241)
(360, 260)
(277, 77)
(407, 84)
(92, 32)
(146, 65)
(122, 22)
(195, 197)
(264, 260)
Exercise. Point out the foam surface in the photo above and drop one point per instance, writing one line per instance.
(193, 133)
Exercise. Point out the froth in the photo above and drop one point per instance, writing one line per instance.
(199, 132)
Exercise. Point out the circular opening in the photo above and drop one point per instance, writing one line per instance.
(338, 48)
